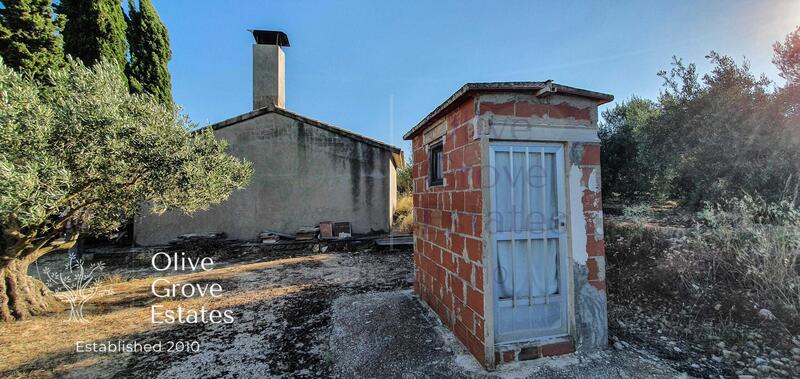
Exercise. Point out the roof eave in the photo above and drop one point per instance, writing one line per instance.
(273, 109)
(462, 92)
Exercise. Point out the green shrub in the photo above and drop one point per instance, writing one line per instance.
(405, 182)
(708, 138)
(638, 212)
(620, 133)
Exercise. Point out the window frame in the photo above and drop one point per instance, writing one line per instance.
(433, 181)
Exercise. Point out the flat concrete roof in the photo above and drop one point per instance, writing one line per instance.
(468, 88)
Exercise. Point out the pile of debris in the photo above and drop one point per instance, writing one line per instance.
(198, 236)
(327, 236)
(335, 230)
(273, 237)
(307, 233)
(326, 230)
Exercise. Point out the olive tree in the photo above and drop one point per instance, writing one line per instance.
(79, 154)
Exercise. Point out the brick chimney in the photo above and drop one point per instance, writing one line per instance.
(269, 74)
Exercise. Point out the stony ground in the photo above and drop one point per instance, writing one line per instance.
(307, 313)
(391, 334)
(281, 303)
(702, 328)
(673, 332)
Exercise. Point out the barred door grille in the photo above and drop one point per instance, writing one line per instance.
(528, 228)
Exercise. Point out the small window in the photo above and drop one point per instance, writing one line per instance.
(436, 157)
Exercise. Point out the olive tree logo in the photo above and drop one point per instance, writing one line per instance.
(76, 285)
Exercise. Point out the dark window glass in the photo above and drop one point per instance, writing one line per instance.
(436, 156)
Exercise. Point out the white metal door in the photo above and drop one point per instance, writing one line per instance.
(528, 225)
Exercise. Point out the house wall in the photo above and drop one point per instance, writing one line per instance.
(302, 175)
(448, 245)
(452, 221)
(392, 187)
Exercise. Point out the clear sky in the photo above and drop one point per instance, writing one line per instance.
(378, 67)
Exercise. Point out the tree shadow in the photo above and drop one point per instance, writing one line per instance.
(127, 318)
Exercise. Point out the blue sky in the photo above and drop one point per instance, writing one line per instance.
(378, 67)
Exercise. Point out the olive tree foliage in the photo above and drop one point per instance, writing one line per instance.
(787, 57)
(720, 136)
(708, 138)
(621, 133)
(82, 153)
(787, 60)
(405, 181)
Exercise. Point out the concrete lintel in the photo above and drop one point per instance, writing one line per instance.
(512, 132)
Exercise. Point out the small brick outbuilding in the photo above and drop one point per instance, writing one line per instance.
(508, 239)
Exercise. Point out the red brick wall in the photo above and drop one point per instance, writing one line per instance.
(523, 109)
(592, 213)
(448, 219)
(448, 244)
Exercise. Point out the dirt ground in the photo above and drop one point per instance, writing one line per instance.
(380, 334)
(302, 313)
(280, 301)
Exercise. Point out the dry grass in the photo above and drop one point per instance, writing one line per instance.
(38, 341)
(110, 279)
(756, 246)
(404, 214)
(767, 264)
(744, 255)
(694, 288)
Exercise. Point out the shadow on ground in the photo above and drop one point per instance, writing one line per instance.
(392, 334)
(344, 314)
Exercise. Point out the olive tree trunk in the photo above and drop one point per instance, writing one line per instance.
(22, 296)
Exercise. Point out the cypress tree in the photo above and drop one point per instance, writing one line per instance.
(149, 52)
(29, 39)
(95, 30)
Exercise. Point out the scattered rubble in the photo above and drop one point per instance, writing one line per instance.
(269, 237)
(281, 328)
(192, 236)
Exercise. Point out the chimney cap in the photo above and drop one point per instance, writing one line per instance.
(270, 37)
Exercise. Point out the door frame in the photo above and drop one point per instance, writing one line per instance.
(565, 250)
